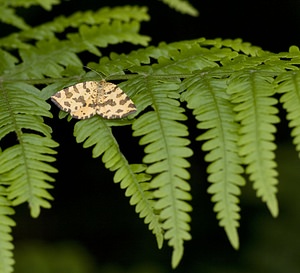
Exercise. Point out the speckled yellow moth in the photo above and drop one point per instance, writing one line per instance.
(86, 99)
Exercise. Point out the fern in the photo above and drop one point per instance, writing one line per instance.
(9, 16)
(6, 259)
(107, 28)
(182, 6)
(289, 85)
(127, 20)
(166, 152)
(23, 166)
(46, 4)
(255, 111)
(212, 108)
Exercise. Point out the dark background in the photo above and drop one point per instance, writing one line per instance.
(91, 226)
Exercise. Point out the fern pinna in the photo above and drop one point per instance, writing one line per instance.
(164, 137)
(24, 166)
(228, 85)
(212, 108)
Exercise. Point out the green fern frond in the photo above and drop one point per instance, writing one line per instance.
(7, 61)
(112, 25)
(182, 6)
(46, 4)
(166, 151)
(237, 45)
(289, 86)
(45, 59)
(24, 166)
(175, 60)
(96, 132)
(187, 56)
(255, 111)
(212, 108)
(8, 16)
(57, 54)
(6, 247)
(8, 11)
(21, 108)
(108, 33)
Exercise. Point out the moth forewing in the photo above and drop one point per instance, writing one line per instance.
(114, 103)
(74, 99)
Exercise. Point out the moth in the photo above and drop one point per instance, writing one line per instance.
(86, 99)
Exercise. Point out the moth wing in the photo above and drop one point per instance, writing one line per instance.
(80, 100)
(114, 103)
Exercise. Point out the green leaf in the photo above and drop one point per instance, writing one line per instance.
(46, 4)
(212, 108)
(24, 166)
(8, 16)
(6, 246)
(289, 87)
(182, 6)
(256, 113)
(166, 150)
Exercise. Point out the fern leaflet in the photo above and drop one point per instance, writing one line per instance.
(102, 27)
(23, 167)
(6, 247)
(289, 85)
(166, 152)
(212, 108)
(182, 6)
(9, 16)
(255, 111)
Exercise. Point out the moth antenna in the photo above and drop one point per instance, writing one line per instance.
(99, 73)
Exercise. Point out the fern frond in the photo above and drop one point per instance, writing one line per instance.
(8, 16)
(187, 56)
(176, 59)
(108, 33)
(166, 151)
(257, 115)
(23, 167)
(237, 45)
(57, 54)
(46, 4)
(289, 87)
(111, 24)
(8, 12)
(172, 60)
(7, 61)
(6, 247)
(182, 6)
(53, 53)
(212, 108)
(96, 132)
